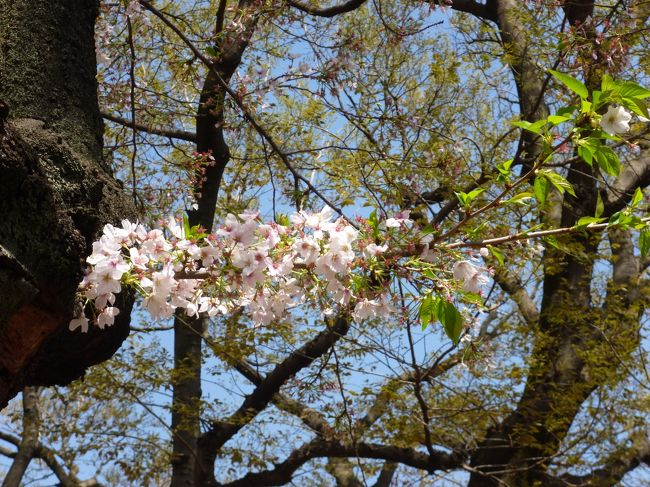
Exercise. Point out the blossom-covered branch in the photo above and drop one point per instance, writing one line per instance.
(268, 268)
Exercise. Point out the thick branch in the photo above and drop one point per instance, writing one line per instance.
(528, 78)
(220, 432)
(345, 7)
(29, 441)
(485, 11)
(386, 475)
(283, 472)
(577, 11)
(613, 471)
(151, 129)
(310, 417)
(342, 470)
(512, 285)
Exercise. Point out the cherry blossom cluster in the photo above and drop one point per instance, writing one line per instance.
(266, 268)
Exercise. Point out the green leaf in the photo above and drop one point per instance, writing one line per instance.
(578, 87)
(644, 242)
(471, 298)
(552, 241)
(186, 226)
(595, 96)
(637, 106)
(541, 187)
(607, 83)
(566, 111)
(373, 221)
(451, 320)
(504, 168)
(585, 152)
(624, 219)
(282, 220)
(637, 198)
(630, 89)
(498, 255)
(535, 127)
(608, 160)
(558, 119)
(211, 51)
(520, 198)
(585, 221)
(427, 312)
(613, 220)
(560, 183)
(600, 206)
(467, 198)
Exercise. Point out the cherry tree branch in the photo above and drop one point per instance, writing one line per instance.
(31, 448)
(512, 285)
(310, 417)
(485, 11)
(283, 472)
(345, 7)
(221, 431)
(530, 235)
(29, 440)
(151, 129)
(613, 471)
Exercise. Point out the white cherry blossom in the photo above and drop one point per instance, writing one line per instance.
(616, 120)
(472, 276)
(265, 268)
(79, 322)
(107, 317)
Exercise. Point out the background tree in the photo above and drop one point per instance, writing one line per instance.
(391, 106)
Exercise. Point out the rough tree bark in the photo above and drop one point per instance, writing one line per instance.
(55, 192)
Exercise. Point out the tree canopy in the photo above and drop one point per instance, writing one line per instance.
(369, 243)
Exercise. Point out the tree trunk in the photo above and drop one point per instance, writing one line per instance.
(186, 410)
(568, 348)
(55, 192)
(31, 431)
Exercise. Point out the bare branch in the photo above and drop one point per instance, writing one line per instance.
(220, 432)
(9, 438)
(517, 292)
(345, 7)
(386, 475)
(29, 440)
(6, 452)
(312, 418)
(616, 467)
(283, 472)
(485, 11)
(151, 129)
(342, 470)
